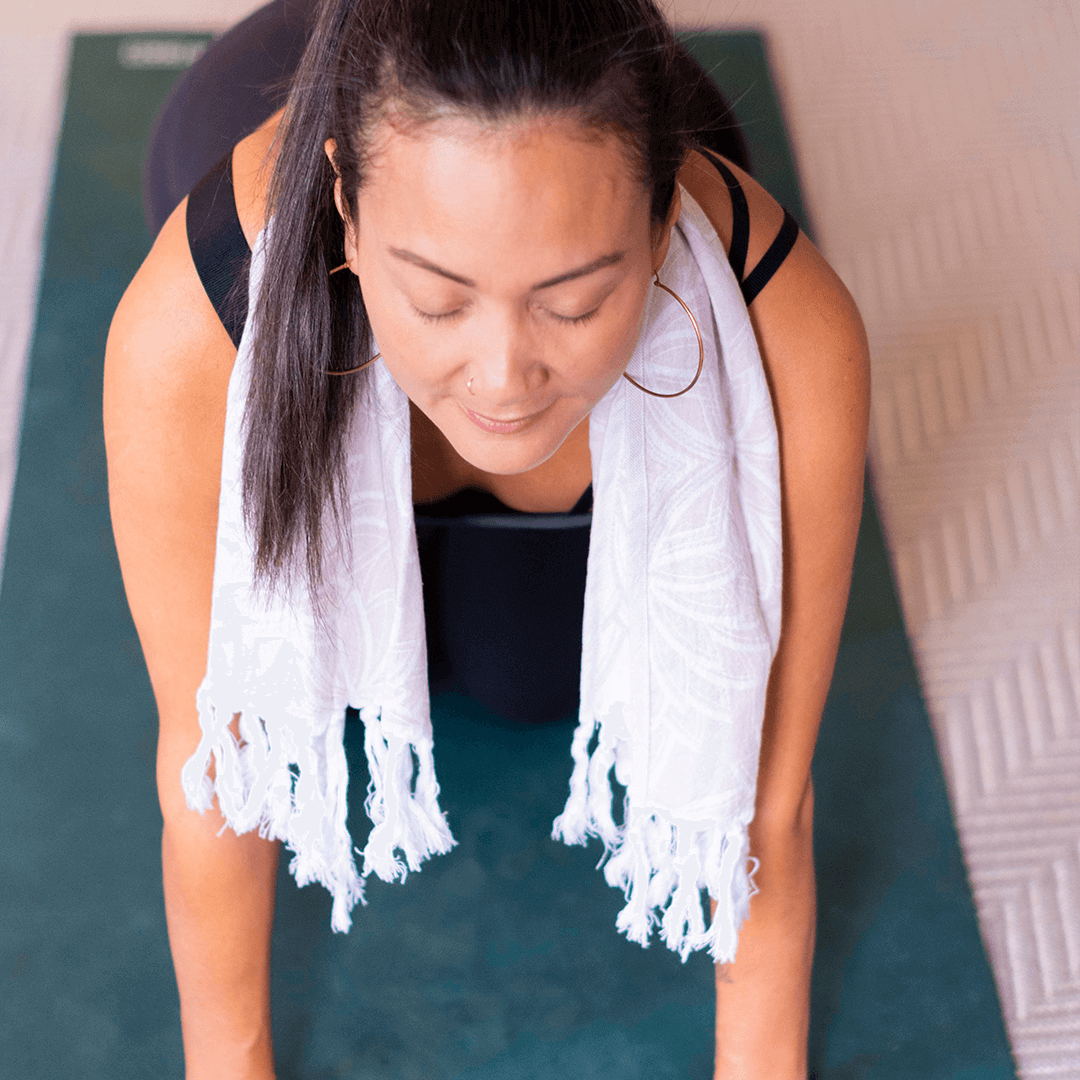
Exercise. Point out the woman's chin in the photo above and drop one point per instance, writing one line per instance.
(504, 449)
(504, 454)
(497, 455)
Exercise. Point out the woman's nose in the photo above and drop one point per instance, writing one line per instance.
(506, 366)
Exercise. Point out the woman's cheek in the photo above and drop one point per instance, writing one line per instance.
(401, 339)
(622, 333)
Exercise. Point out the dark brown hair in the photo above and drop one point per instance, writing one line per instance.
(612, 64)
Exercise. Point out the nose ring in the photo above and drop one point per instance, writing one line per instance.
(468, 385)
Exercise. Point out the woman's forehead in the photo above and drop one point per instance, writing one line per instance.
(521, 180)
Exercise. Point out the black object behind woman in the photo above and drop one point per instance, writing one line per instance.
(243, 78)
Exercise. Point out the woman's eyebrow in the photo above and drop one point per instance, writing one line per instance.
(570, 275)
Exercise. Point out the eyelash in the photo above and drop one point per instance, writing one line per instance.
(576, 320)
(428, 318)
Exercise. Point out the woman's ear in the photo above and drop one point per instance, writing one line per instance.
(662, 235)
(330, 147)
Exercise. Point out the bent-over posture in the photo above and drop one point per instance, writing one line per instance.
(496, 267)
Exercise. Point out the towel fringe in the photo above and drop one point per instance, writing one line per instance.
(263, 781)
(404, 818)
(659, 860)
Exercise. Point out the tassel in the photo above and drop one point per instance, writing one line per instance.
(731, 889)
(636, 919)
(683, 926)
(588, 808)
(572, 825)
(403, 819)
(383, 804)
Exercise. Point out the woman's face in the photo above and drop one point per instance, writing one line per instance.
(505, 272)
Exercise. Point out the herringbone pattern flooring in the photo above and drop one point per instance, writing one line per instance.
(29, 120)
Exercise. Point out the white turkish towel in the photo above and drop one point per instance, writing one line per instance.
(682, 618)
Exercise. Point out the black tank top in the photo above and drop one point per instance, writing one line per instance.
(504, 590)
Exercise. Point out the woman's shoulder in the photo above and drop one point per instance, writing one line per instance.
(810, 335)
(166, 331)
(252, 165)
(166, 343)
(804, 295)
(168, 360)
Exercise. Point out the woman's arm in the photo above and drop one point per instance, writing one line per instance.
(167, 366)
(816, 361)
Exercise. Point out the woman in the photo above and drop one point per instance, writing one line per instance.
(490, 195)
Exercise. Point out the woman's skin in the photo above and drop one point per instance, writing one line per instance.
(469, 203)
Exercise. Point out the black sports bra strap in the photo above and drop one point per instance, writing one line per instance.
(770, 262)
(219, 248)
(740, 221)
(778, 251)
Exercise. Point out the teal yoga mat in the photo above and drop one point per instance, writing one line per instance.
(500, 960)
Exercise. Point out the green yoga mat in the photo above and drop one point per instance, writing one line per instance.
(500, 960)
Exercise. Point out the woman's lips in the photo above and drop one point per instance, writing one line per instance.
(501, 427)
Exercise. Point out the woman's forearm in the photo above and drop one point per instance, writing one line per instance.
(763, 998)
(219, 902)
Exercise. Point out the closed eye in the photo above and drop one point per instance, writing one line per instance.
(442, 317)
(446, 316)
(578, 319)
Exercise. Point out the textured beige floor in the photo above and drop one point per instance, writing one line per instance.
(938, 148)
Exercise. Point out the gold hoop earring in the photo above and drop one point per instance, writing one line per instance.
(700, 345)
(368, 363)
(353, 370)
